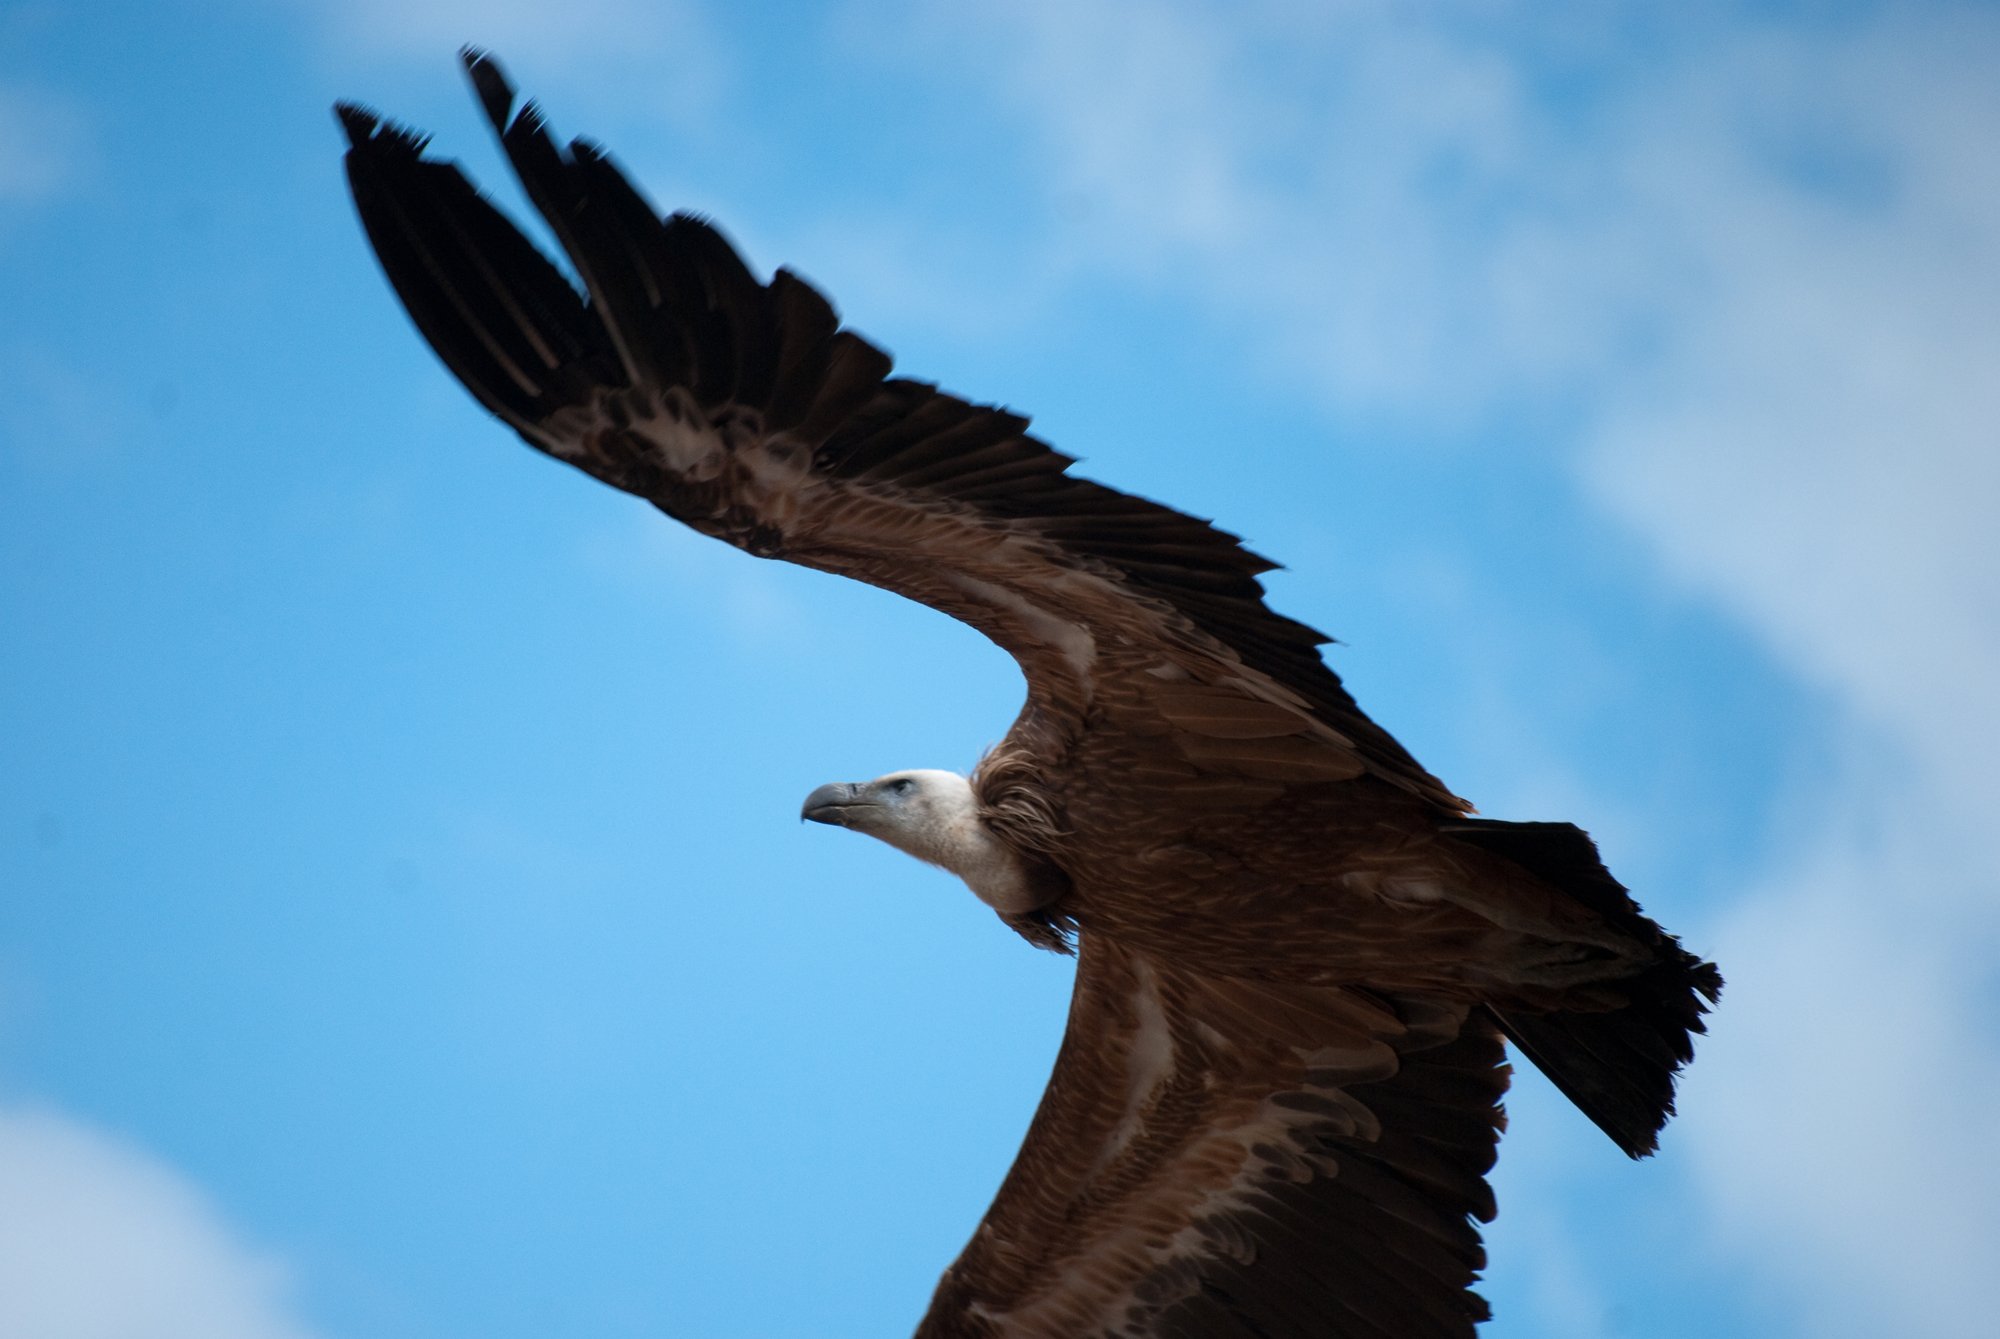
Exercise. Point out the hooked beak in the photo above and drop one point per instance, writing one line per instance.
(834, 803)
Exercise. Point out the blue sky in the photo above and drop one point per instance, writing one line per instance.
(405, 928)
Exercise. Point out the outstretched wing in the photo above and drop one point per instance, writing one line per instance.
(746, 411)
(1220, 1158)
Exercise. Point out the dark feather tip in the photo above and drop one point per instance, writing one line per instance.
(490, 82)
(366, 130)
(530, 124)
(359, 123)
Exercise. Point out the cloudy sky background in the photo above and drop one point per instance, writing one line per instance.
(404, 927)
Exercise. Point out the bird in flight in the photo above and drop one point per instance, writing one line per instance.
(1299, 957)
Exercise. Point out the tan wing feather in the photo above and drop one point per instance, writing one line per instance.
(1220, 1157)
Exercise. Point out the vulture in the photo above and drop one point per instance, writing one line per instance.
(1300, 958)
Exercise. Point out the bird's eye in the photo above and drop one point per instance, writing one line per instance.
(903, 787)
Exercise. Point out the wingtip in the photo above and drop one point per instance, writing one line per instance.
(366, 129)
(357, 121)
(496, 91)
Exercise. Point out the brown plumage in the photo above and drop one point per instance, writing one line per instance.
(1278, 1094)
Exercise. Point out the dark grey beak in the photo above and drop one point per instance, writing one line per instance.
(832, 803)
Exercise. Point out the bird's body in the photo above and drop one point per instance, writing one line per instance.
(1278, 1094)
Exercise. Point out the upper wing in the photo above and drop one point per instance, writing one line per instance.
(1229, 1158)
(745, 410)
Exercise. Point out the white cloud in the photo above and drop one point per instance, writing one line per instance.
(1821, 447)
(1844, 1117)
(98, 1240)
(1379, 201)
(1762, 265)
(1819, 453)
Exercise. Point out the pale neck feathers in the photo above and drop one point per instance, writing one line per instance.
(947, 830)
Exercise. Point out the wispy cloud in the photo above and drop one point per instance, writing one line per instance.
(671, 563)
(45, 144)
(1843, 1121)
(1383, 202)
(668, 47)
(58, 417)
(1818, 452)
(1819, 445)
(99, 1240)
